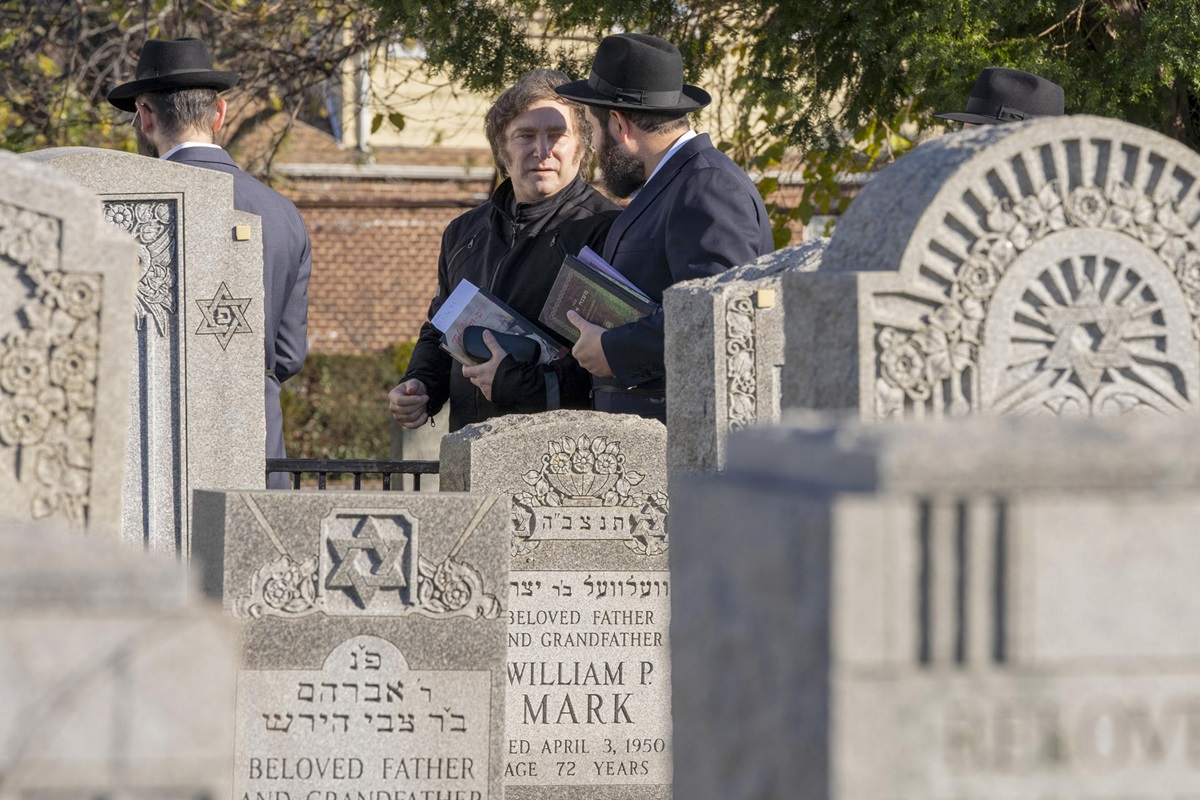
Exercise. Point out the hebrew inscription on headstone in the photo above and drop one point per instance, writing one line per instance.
(64, 354)
(374, 640)
(196, 400)
(984, 608)
(588, 712)
(725, 350)
(1045, 267)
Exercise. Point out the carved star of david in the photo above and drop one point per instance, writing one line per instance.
(1089, 337)
(224, 315)
(367, 561)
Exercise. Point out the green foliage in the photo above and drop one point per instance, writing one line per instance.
(835, 79)
(59, 58)
(337, 406)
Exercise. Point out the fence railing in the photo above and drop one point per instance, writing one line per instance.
(323, 468)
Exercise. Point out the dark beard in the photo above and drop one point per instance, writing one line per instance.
(144, 145)
(623, 174)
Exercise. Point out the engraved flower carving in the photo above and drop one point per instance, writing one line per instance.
(73, 365)
(290, 587)
(903, 363)
(978, 278)
(64, 486)
(1188, 271)
(79, 295)
(945, 343)
(23, 420)
(23, 370)
(608, 463)
(120, 215)
(1087, 206)
(558, 463)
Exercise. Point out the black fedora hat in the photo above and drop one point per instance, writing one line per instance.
(1008, 95)
(177, 64)
(636, 72)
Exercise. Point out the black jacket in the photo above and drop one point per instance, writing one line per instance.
(513, 250)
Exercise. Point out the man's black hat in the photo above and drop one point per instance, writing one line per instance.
(636, 72)
(178, 64)
(1009, 95)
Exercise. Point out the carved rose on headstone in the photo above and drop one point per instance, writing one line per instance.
(48, 369)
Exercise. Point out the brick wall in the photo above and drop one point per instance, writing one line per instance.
(375, 249)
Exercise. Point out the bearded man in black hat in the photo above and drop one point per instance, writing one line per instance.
(693, 212)
(175, 97)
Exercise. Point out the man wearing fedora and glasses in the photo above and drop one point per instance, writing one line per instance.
(693, 212)
(174, 98)
(1005, 95)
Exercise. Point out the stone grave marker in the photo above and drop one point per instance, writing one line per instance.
(1044, 267)
(65, 293)
(589, 677)
(985, 608)
(373, 636)
(196, 401)
(113, 683)
(725, 349)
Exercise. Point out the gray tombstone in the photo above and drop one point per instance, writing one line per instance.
(589, 675)
(113, 683)
(724, 354)
(1045, 267)
(993, 608)
(373, 639)
(65, 288)
(197, 407)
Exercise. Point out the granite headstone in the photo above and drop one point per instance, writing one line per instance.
(589, 674)
(373, 640)
(1050, 267)
(992, 608)
(66, 291)
(114, 680)
(196, 402)
(724, 354)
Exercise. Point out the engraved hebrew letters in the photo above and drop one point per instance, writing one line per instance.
(583, 490)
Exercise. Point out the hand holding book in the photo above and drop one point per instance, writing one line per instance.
(589, 286)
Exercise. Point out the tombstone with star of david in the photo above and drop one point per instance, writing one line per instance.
(375, 631)
(1047, 267)
(197, 415)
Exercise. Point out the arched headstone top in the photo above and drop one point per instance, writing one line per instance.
(958, 188)
(1051, 266)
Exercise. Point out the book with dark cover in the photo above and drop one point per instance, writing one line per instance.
(594, 296)
(469, 305)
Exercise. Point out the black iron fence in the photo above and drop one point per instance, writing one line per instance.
(340, 469)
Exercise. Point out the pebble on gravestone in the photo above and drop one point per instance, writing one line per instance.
(588, 714)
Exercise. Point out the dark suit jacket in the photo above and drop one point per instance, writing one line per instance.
(287, 263)
(699, 216)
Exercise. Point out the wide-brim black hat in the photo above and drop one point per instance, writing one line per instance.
(1001, 95)
(636, 72)
(177, 64)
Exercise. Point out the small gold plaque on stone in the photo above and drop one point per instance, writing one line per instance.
(241, 233)
(764, 298)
